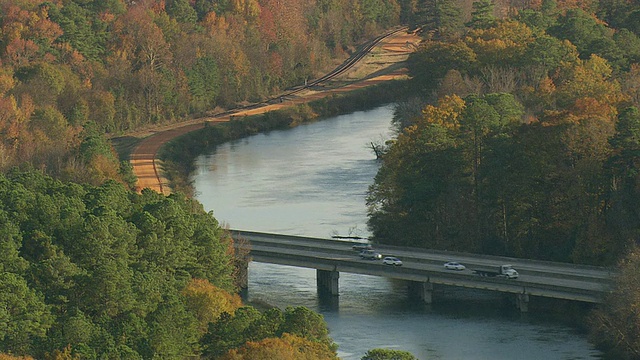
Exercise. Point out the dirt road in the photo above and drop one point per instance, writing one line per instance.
(382, 64)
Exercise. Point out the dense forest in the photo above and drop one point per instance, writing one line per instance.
(101, 272)
(90, 269)
(524, 140)
(122, 65)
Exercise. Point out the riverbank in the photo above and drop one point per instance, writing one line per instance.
(383, 64)
(177, 156)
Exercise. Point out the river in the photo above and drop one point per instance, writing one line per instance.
(311, 180)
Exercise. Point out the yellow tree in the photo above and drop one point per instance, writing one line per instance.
(289, 347)
(208, 302)
(226, 35)
(8, 116)
(446, 114)
(249, 9)
(586, 89)
(502, 44)
(142, 43)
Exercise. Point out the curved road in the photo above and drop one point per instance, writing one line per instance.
(143, 158)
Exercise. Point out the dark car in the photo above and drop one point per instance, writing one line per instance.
(370, 255)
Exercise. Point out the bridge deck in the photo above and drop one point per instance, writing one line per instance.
(538, 278)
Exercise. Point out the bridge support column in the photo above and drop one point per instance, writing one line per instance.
(327, 282)
(522, 302)
(422, 290)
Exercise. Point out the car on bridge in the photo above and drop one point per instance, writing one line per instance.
(392, 260)
(453, 265)
(361, 247)
(497, 271)
(370, 255)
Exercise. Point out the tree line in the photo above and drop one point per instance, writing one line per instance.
(522, 143)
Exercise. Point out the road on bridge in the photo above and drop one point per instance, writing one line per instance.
(560, 280)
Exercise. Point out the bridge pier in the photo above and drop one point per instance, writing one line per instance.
(422, 290)
(327, 282)
(522, 302)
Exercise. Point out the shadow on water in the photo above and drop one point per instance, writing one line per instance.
(328, 303)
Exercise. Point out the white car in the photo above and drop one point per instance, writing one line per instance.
(452, 265)
(390, 260)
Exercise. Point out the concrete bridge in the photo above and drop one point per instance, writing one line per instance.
(423, 269)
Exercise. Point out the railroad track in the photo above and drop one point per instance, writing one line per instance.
(345, 66)
(349, 63)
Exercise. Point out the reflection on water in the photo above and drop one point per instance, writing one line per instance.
(309, 180)
(312, 181)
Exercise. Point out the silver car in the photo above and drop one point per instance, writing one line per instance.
(390, 260)
(452, 265)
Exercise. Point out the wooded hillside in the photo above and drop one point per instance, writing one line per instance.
(101, 272)
(121, 65)
(524, 141)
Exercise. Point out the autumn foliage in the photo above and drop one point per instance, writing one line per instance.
(208, 301)
(121, 65)
(514, 149)
(525, 142)
(288, 347)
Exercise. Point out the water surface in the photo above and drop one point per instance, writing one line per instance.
(312, 181)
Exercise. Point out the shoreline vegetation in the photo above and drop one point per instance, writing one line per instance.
(178, 155)
(383, 63)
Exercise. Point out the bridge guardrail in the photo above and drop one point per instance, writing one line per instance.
(389, 250)
(436, 277)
